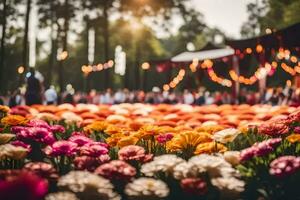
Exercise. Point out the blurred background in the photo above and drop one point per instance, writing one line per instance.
(99, 44)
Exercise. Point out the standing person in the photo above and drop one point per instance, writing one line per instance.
(15, 99)
(188, 97)
(51, 95)
(119, 97)
(33, 90)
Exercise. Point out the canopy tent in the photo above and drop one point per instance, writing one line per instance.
(287, 38)
(208, 52)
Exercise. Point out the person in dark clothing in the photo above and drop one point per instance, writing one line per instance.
(33, 91)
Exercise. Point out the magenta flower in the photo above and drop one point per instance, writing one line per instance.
(260, 149)
(163, 138)
(284, 166)
(22, 185)
(61, 148)
(116, 170)
(94, 149)
(57, 129)
(80, 140)
(90, 163)
(247, 154)
(37, 134)
(134, 152)
(194, 186)
(19, 143)
(297, 129)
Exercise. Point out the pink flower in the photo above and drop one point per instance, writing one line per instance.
(133, 152)
(22, 185)
(94, 149)
(61, 148)
(90, 163)
(57, 129)
(195, 186)
(116, 170)
(38, 123)
(274, 127)
(42, 169)
(80, 140)
(284, 166)
(163, 138)
(260, 149)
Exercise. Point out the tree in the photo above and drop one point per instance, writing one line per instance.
(8, 12)
(2, 53)
(25, 39)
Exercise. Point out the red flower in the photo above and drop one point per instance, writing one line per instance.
(194, 186)
(274, 128)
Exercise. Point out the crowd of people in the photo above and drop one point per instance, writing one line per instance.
(35, 94)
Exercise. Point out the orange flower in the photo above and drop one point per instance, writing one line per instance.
(188, 139)
(293, 138)
(14, 120)
(113, 129)
(210, 128)
(4, 109)
(147, 131)
(97, 126)
(114, 139)
(210, 147)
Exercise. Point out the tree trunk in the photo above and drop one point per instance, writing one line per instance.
(25, 39)
(137, 66)
(107, 77)
(65, 45)
(2, 53)
(53, 49)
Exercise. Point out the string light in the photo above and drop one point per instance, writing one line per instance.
(259, 48)
(87, 69)
(21, 70)
(208, 64)
(145, 66)
(176, 80)
(63, 56)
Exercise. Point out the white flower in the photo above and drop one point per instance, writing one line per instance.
(229, 186)
(88, 186)
(185, 170)
(13, 152)
(71, 117)
(226, 135)
(147, 188)
(233, 157)
(61, 196)
(164, 163)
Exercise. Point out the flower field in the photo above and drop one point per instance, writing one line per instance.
(139, 151)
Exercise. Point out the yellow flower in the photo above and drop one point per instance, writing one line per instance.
(210, 147)
(293, 138)
(128, 140)
(97, 126)
(4, 109)
(6, 137)
(188, 139)
(14, 120)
